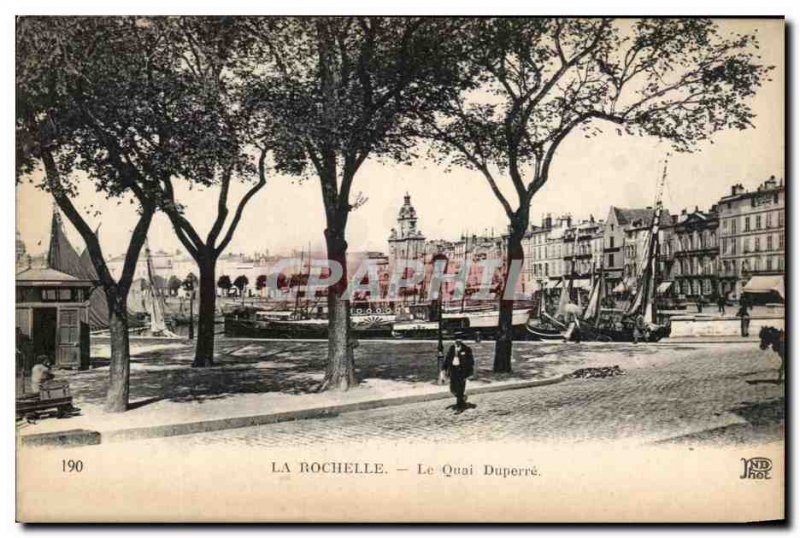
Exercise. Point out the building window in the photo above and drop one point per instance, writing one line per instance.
(780, 219)
(758, 222)
(758, 244)
(747, 224)
(769, 263)
(68, 326)
(769, 242)
(611, 260)
(780, 263)
(780, 241)
(733, 226)
(49, 294)
(769, 219)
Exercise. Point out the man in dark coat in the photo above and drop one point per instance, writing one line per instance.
(459, 364)
(745, 315)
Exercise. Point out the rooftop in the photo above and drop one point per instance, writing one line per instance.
(45, 275)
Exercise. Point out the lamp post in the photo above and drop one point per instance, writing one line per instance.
(189, 285)
(438, 312)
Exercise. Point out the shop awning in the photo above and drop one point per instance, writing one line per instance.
(663, 288)
(765, 284)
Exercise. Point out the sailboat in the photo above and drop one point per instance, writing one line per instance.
(640, 316)
(154, 300)
(547, 327)
(543, 326)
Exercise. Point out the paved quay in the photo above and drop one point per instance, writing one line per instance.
(667, 391)
(721, 394)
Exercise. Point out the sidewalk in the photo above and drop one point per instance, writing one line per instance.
(710, 339)
(258, 383)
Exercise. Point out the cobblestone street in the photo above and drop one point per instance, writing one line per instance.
(692, 394)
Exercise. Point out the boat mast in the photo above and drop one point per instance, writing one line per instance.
(308, 278)
(464, 291)
(644, 299)
(650, 309)
(157, 306)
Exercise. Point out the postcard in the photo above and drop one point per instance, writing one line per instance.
(400, 269)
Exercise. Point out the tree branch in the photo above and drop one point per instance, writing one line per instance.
(53, 178)
(222, 206)
(262, 180)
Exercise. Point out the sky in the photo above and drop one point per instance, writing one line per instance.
(587, 176)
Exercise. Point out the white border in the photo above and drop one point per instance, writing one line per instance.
(308, 7)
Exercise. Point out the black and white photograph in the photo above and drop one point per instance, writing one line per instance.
(407, 269)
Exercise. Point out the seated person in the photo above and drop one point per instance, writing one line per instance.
(40, 373)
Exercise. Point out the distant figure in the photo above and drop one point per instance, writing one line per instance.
(700, 302)
(770, 336)
(459, 364)
(41, 373)
(745, 319)
(721, 300)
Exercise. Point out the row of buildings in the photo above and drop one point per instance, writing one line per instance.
(702, 253)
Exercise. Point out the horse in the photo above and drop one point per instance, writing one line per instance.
(770, 336)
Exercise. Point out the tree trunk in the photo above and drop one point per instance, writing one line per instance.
(120, 368)
(505, 327)
(340, 373)
(204, 350)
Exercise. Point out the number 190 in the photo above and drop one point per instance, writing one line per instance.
(71, 466)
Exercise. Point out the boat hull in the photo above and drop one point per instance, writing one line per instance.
(591, 333)
(244, 328)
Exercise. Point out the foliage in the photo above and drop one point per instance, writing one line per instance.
(190, 282)
(224, 282)
(174, 284)
(532, 82)
(241, 282)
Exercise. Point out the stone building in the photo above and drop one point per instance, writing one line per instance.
(695, 254)
(752, 238)
(406, 242)
(624, 236)
(554, 253)
(581, 242)
(633, 226)
(536, 269)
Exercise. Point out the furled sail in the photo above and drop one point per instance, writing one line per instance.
(156, 304)
(642, 303)
(61, 256)
(593, 305)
